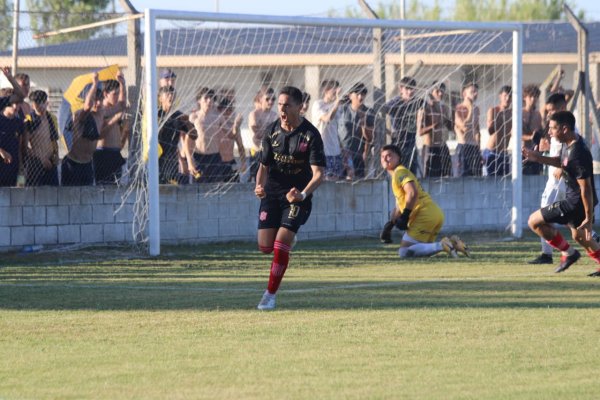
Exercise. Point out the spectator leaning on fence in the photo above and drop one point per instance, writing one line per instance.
(11, 132)
(205, 139)
(107, 158)
(466, 126)
(77, 166)
(499, 125)
(41, 138)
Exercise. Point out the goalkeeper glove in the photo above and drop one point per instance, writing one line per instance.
(402, 220)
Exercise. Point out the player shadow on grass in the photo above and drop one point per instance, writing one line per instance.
(305, 295)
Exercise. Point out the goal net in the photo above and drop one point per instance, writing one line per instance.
(236, 60)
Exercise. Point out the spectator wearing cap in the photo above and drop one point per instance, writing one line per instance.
(167, 78)
(466, 127)
(11, 131)
(355, 127)
(406, 113)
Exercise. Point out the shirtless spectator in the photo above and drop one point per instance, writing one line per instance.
(24, 82)
(532, 128)
(259, 121)
(205, 139)
(325, 118)
(77, 166)
(433, 131)
(499, 125)
(107, 158)
(466, 127)
(231, 135)
(41, 139)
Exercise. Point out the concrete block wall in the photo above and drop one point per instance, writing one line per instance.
(54, 216)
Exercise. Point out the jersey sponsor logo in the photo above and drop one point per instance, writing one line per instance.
(263, 216)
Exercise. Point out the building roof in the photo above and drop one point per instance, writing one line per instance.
(547, 37)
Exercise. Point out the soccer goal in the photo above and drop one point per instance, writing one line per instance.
(240, 56)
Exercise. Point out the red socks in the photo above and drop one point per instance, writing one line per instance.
(558, 242)
(281, 257)
(595, 255)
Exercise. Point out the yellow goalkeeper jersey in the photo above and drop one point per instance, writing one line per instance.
(402, 176)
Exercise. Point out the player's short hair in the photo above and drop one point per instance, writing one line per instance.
(359, 88)
(305, 97)
(292, 92)
(393, 148)
(506, 89)
(329, 84)
(564, 118)
(557, 100)
(205, 92)
(110, 85)
(531, 90)
(38, 97)
(408, 82)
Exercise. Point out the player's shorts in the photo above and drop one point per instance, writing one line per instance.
(426, 224)
(278, 212)
(107, 165)
(565, 213)
(76, 174)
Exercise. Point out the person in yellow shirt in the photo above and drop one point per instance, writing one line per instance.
(419, 216)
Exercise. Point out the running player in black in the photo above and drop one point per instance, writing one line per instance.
(291, 168)
(577, 209)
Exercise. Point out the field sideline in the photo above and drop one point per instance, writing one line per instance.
(353, 322)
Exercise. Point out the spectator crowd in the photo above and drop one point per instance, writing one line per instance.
(200, 147)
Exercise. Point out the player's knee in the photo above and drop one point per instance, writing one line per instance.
(265, 249)
(405, 252)
(533, 222)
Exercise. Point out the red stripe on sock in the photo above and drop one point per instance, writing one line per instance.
(559, 242)
(595, 255)
(281, 258)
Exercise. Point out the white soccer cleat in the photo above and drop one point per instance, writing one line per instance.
(448, 247)
(460, 246)
(267, 303)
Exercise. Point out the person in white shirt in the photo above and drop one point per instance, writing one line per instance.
(325, 118)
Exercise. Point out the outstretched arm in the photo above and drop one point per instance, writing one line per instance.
(18, 95)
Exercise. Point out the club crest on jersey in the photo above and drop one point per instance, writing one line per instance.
(263, 216)
(303, 146)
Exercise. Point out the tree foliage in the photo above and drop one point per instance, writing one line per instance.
(5, 24)
(470, 10)
(50, 15)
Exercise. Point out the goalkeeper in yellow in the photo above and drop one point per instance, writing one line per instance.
(416, 213)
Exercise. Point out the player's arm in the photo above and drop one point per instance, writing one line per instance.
(476, 129)
(295, 195)
(261, 180)
(536, 156)
(237, 136)
(411, 196)
(587, 197)
(188, 140)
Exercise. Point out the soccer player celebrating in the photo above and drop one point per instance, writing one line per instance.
(421, 218)
(577, 209)
(291, 168)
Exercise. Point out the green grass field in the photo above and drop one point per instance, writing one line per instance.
(353, 322)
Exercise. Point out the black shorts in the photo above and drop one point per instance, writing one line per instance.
(277, 212)
(76, 174)
(107, 165)
(565, 213)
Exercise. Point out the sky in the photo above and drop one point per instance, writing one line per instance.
(302, 7)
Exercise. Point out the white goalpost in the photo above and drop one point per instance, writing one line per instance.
(279, 50)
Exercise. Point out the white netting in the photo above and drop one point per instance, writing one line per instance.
(247, 58)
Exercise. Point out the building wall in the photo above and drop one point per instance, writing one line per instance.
(55, 216)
